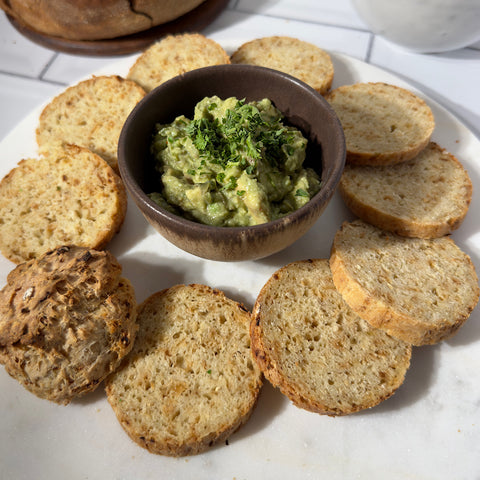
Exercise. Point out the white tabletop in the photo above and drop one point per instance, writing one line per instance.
(31, 74)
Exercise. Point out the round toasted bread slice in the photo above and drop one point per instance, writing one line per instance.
(310, 344)
(90, 114)
(301, 59)
(418, 290)
(174, 55)
(69, 197)
(190, 380)
(383, 124)
(425, 197)
(66, 321)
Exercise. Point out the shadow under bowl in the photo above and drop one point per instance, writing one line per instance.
(301, 107)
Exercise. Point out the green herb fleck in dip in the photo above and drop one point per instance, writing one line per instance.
(234, 164)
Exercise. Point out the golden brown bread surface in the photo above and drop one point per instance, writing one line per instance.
(425, 197)
(310, 344)
(90, 114)
(95, 20)
(70, 196)
(298, 58)
(190, 380)
(419, 290)
(66, 321)
(174, 55)
(383, 124)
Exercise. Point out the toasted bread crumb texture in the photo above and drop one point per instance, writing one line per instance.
(419, 290)
(70, 196)
(310, 344)
(174, 55)
(300, 59)
(66, 321)
(90, 114)
(190, 380)
(428, 196)
(383, 123)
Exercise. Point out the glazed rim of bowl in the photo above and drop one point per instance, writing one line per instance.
(231, 80)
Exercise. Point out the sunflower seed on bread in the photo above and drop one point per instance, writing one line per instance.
(311, 345)
(418, 290)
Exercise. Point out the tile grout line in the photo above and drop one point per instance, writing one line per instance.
(47, 66)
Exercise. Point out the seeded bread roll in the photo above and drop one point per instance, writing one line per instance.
(90, 114)
(70, 197)
(300, 59)
(425, 197)
(383, 124)
(174, 55)
(190, 380)
(418, 290)
(66, 321)
(310, 344)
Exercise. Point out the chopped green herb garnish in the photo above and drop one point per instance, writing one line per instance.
(301, 193)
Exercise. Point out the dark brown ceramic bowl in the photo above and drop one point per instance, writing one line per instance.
(302, 107)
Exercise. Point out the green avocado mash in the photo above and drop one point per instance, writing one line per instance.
(234, 164)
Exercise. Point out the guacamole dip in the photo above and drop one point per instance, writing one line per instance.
(234, 164)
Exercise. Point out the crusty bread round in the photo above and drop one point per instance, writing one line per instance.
(298, 58)
(383, 124)
(190, 380)
(425, 197)
(174, 55)
(94, 20)
(310, 344)
(418, 290)
(90, 114)
(66, 321)
(69, 197)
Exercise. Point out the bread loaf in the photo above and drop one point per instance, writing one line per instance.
(383, 124)
(190, 380)
(298, 58)
(310, 344)
(66, 321)
(90, 114)
(425, 197)
(418, 290)
(174, 55)
(71, 196)
(94, 20)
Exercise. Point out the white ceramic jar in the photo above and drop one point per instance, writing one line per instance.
(423, 25)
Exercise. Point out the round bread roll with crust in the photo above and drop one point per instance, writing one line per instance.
(310, 344)
(90, 114)
(70, 196)
(174, 55)
(94, 20)
(301, 59)
(383, 124)
(66, 321)
(418, 290)
(190, 380)
(425, 197)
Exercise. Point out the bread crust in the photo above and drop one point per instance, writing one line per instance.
(418, 290)
(384, 124)
(93, 20)
(66, 321)
(190, 381)
(70, 196)
(303, 60)
(311, 345)
(426, 197)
